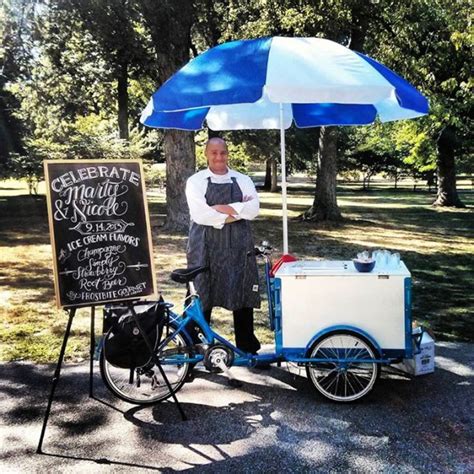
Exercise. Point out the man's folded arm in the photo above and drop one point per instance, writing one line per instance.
(250, 208)
(200, 212)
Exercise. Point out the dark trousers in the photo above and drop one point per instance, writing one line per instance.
(245, 338)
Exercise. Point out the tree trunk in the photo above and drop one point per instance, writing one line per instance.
(430, 182)
(274, 182)
(325, 206)
(122, 99)
(268, 175)
(169, 22)
(11, 134)
(5, 136)
(446, 170)
(179, 150)
(325, 199)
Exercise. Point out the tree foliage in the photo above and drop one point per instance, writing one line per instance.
(430, 43)
(75, 75)
(16, 19)
(67, 102)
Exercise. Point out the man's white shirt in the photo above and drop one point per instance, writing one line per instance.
(203, 214)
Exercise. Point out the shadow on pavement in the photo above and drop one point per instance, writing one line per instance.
(276, 422)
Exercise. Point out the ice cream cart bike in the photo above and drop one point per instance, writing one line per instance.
(341, 324)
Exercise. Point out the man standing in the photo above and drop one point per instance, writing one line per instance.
(221, 203)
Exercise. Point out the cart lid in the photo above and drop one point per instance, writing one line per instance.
(336, 268)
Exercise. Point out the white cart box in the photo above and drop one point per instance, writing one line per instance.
(316, 295)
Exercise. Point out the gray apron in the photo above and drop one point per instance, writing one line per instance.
(232, 281)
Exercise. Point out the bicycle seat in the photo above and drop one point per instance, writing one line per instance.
(185, 275)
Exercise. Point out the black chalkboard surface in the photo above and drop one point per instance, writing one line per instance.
(100, 231)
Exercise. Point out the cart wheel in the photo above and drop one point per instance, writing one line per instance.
(145, 385)
(338, 379)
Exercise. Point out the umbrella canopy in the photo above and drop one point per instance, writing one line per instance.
(239, 85)
(269, 83)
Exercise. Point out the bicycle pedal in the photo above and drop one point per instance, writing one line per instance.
(201, 348)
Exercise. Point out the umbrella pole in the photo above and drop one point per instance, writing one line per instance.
(283, 183)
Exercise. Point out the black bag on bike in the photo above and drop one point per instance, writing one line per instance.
(124, 345)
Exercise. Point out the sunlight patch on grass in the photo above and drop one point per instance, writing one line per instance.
(399, 240)
(375, 205)
(5, 297)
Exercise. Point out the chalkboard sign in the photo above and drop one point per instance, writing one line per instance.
(100, 231)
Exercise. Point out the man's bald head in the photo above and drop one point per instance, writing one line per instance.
(215, 141)
(217, 155)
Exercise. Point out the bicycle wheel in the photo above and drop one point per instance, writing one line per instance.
(145, 385)
(338, 379)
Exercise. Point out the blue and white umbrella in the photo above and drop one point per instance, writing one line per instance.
(268, 83)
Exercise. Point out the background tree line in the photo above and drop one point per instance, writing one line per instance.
(75, 75)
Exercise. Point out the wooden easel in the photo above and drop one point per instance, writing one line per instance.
(57, 372)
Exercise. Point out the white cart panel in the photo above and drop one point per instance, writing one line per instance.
(318, 294)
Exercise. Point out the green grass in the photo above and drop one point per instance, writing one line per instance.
(436, 244)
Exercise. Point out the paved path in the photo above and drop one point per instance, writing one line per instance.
(275, 423)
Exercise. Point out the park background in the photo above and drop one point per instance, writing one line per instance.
(75, 75)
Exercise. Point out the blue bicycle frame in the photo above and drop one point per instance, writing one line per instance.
(194, 313)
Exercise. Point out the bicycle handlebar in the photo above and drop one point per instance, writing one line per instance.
(264, 249)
